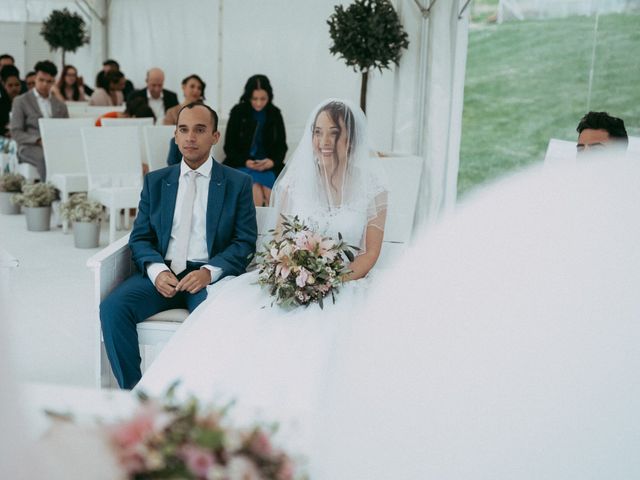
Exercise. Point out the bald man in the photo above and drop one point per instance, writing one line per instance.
(159, 99)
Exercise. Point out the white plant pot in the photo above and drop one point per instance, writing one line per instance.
(38, 218)
(6, 207)
(86, 234)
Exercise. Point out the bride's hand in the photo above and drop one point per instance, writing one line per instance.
(194, 281)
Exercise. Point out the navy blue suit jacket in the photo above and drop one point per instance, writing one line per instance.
(231, 219)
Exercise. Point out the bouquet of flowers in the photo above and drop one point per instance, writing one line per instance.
(299, 266)
(173, 440)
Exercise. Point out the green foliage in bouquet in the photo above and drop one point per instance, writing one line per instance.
(11, 182)
(80, 209)
(367, 35)
(65, 30)
(300, 266)
(36, 195)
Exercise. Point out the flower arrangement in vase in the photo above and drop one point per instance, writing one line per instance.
(10, 183)
(36, 198)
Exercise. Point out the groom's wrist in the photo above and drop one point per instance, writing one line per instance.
(216, 272)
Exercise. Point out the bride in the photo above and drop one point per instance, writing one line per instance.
(272, 361)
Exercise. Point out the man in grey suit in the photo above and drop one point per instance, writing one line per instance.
(28, 108)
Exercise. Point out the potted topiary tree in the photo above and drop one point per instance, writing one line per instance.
(367, 35)
(36, 198)
(66, 30)
(10, 184)
(85, 215)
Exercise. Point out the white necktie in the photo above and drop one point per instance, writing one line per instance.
(179, 263)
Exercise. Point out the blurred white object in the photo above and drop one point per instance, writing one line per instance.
(504, 345)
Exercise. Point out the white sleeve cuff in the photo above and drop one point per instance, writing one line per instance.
(216, 272)
(155, 269)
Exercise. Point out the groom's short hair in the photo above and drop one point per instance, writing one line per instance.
(214, 115)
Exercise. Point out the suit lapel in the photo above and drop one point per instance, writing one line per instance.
(168, 195)
(217, 186)
(34, 103)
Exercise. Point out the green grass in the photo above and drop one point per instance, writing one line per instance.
(528, 81)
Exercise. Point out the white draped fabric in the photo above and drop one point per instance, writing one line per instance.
(505, 344)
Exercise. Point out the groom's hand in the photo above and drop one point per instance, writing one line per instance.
(194, 281)
(166, 283)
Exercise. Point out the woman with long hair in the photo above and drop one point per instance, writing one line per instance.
(255, 141)
(70, 86)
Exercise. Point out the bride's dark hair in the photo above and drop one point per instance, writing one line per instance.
(337, 111)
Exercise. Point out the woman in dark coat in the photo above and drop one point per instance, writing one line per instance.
(255, 140)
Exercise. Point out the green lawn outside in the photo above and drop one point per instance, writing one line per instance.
(528, 81)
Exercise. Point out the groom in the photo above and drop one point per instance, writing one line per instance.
(196, 223)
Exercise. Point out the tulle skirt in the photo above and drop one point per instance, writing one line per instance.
(272, 362)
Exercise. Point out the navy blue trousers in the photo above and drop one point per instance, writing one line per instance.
(132, 302)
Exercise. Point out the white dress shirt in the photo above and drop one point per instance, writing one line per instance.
(157, 105)
(44, 103)
(197, 250)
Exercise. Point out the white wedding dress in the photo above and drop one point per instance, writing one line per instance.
(271, 361)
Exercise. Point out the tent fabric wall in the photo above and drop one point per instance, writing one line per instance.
(19, 32)
(415, 108)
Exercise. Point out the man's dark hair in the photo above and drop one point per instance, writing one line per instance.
(47, 67)
(6, 55)
(9, 71)
(214, 115)
(111, 63)
(603, 121)
(30, 74)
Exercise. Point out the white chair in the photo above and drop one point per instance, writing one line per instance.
(114, 170)
(76, 109)
(560, 152)
(112, 265)
(95, 111)
(633, 150)
(126, 122)
(131, 122)
(28, 171)
(156, 143)
(64, 155)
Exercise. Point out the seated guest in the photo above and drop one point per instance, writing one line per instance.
(28, 108)
(70, 86)
(159, 99)
(599, 131)
(6, 59)
(255, 141)
(137, 108)
(30, 80)
(193, 91)
(109, 66)
(9, 89)
(109, 93)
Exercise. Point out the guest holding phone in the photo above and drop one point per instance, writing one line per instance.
(255, 139)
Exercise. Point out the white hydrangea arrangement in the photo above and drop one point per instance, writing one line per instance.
(80, 209)
(36, 195)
